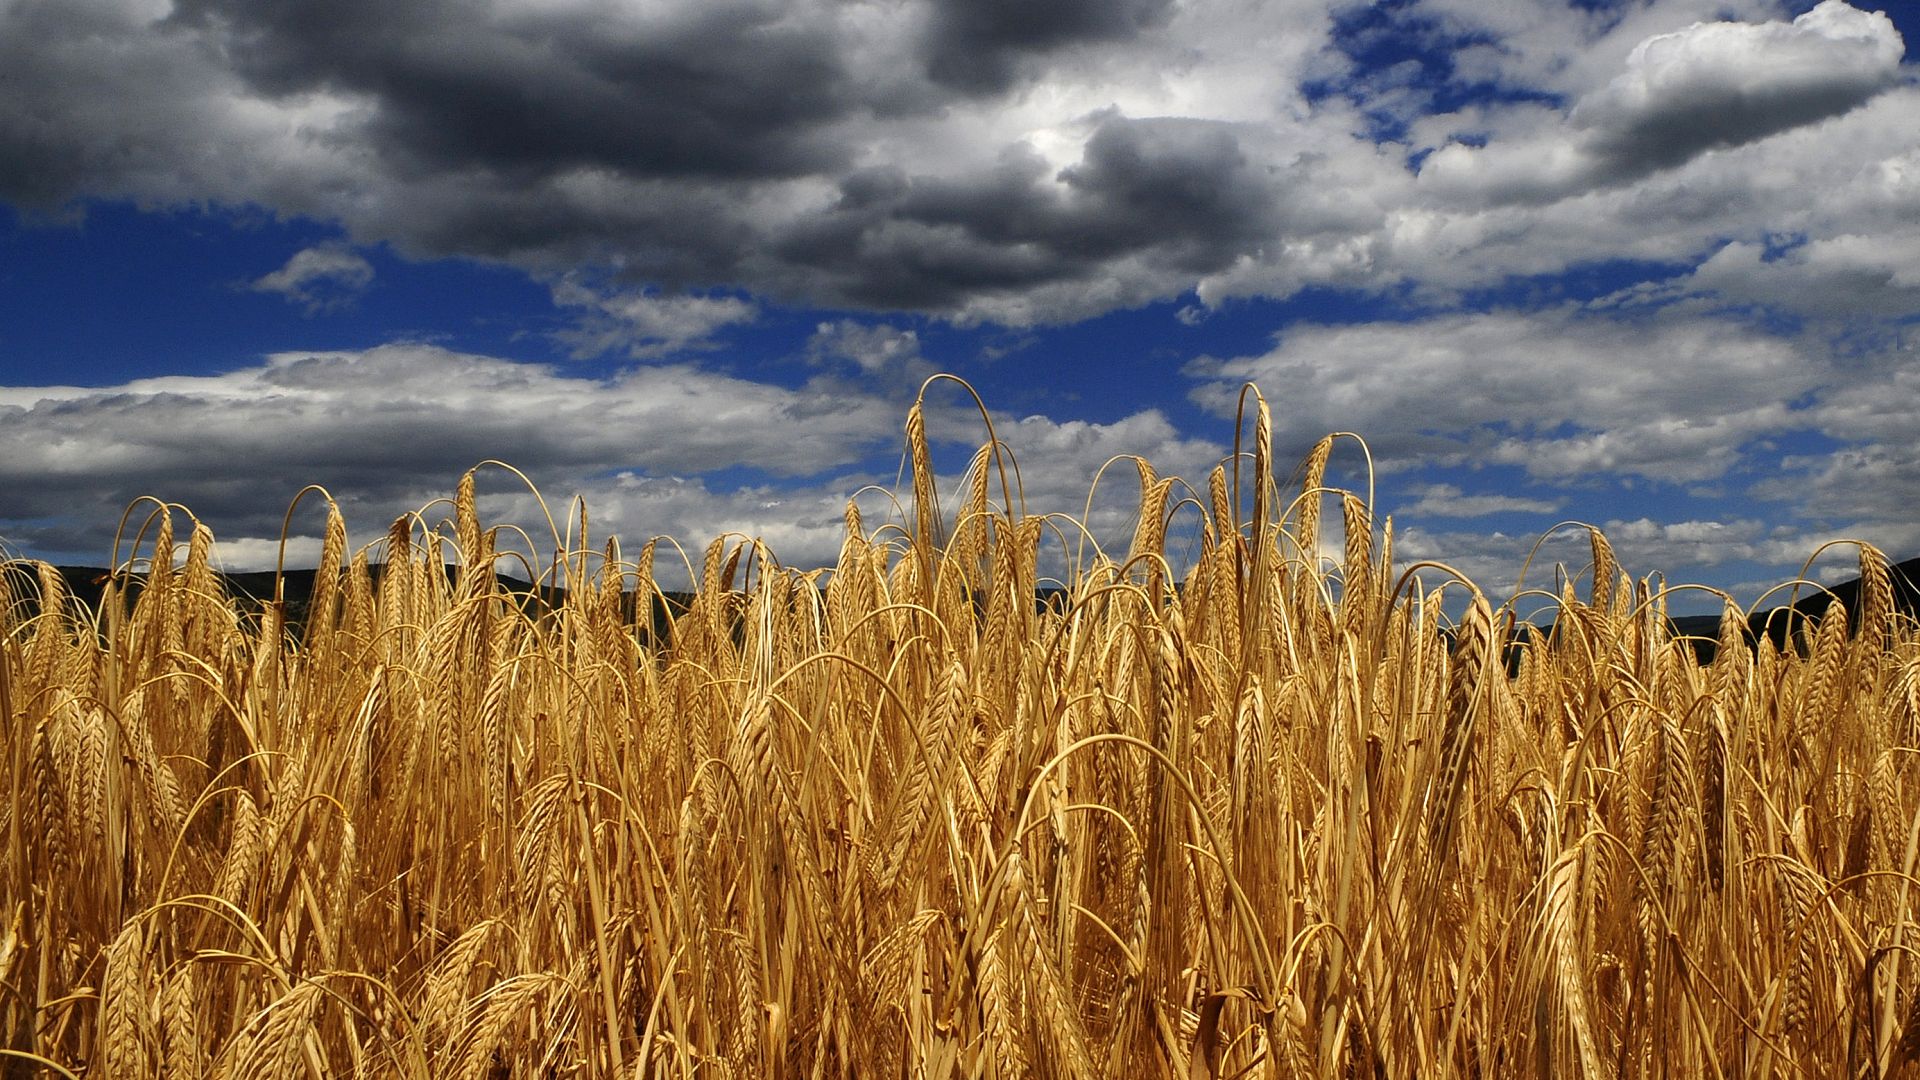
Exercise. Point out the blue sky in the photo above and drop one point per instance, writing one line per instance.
(1652, 265)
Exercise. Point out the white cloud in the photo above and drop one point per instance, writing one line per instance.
(327, 277)
(1683, 552)
(1880, 400)
(1867, 487)
(1561, 394)
(242, 554)
(1565, 50)
(1053, 464)
(873, 348)
(1058, 458)
(1712, 85)
(1448, 501)
(390, 428)
(644, 323)
(1855, 174)
(657, 450)
(1848, 274)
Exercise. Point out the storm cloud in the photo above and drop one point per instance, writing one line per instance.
(969, 159)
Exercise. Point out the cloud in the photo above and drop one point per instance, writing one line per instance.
(108, 99)
(1724, 84)
(1684, 552)
(1853, 175)
(1058, 458)
(890, 157)
(978, 46)
(643, 323)
(661, 449)
(1843, 275)
(324, 278)
(873, 348)
(1053, 465)
(732, 89)
(964, 159)
(1562, 394)
(1547, 46)
(1865, 481)
(1019, 241)
(1863, 490)
(1447, 500)
(1712, 85)
(390, 428)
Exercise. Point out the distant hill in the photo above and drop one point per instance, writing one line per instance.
(1777, 623)
(87, 584)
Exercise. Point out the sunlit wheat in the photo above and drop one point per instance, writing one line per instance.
(1233, 811)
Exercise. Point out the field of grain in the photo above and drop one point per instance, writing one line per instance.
(1271, 815)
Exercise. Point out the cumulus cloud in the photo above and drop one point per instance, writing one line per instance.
(641, 322)
(1018, 240)
(1543, 45)
(967, 159)
(1865, 481)
(731, 89)
(1844, 275)
(980, 46)
(872, 348)
(1449, 501)
(1863, 490)
(1060, 457)
(1853, 175)
(1563, 394)
(661, 449)
(1690, 551)
(327, 277)
(389, 429)
(1712, 85)
(1081, 473)
(1723, 84)
(892, 157)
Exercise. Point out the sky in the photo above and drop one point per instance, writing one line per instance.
(1651, 265)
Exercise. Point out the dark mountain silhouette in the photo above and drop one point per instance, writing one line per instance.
(87, 584)
(1777, 624)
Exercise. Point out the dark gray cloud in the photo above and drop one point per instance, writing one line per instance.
(973, 159)
(1184, 185)
(1181, 192)
(794, 149)
(727, 89)
(980, 46)
(81, 111)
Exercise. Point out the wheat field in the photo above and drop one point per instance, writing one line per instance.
(1263, 815)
